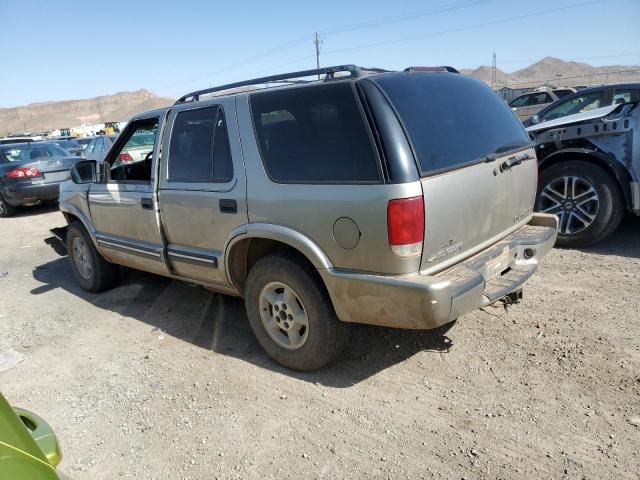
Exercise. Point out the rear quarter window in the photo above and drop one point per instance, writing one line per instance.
(451, 120)
(314, 135)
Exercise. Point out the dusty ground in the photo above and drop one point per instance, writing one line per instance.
(160, 380)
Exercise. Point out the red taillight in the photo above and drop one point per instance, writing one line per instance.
(405, 224)
(28, 172)
(125, 157)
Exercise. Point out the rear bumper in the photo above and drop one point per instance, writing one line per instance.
(428, 301)
(23, 194)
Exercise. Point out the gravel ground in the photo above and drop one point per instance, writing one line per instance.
(160, 380)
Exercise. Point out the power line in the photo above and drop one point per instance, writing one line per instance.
(406, 16)
(290, 44)
(470, 27)
(280, 48)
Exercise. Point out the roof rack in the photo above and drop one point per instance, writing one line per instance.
(330, 72)
(443, 68)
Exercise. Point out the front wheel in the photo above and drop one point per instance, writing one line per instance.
(91, 270)
(291, 315)
(586, 199)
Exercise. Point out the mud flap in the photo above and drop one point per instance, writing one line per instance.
(58, 240)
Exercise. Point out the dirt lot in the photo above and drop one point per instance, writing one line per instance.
(160, 380)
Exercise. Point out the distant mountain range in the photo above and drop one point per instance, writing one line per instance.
(72, 113)
(558, 73)
(121, 106)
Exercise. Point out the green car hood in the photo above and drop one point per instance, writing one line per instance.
(21, 455)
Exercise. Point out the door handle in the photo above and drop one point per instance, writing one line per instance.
(146, 203)
(228, 205)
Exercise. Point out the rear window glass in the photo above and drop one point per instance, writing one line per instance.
(313, 135)
(26, 152)
(451, 119)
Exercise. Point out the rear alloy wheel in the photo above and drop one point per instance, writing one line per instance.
(6, 210)
(586, 199)
(291, 314)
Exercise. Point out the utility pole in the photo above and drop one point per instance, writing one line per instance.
(493, 71)
(317, 43)
(100, 111)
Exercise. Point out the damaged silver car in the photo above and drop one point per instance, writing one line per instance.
(589, 166)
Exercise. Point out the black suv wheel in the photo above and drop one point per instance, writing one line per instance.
(586, 199)
(6, 210)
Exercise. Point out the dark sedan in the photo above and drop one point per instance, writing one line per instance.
(587, 99)
(31, 173)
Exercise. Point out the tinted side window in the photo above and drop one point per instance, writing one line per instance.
(520, 101)
(626, 95)
(571, 106)
(199, 148)
(313, 134)
(90, 146)
(99, 147)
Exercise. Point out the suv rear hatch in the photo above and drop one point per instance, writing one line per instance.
(476, 162)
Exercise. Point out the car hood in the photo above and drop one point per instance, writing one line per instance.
(578, 117)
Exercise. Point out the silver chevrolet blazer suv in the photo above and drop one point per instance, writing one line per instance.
(323, 198)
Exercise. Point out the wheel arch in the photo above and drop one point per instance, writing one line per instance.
(617, 170)
(79, 216)
(246, 248)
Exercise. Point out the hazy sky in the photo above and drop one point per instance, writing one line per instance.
(55, 50)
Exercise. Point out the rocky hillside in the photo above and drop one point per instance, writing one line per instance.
(71, 113)
(548, 69)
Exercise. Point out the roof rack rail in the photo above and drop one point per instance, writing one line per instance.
(353, 70)
(443, 68)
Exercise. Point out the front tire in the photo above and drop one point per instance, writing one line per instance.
(91, 270)
(6, 210)
(586, 198)
(291, 314)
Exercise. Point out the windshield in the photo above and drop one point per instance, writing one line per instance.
(141, 139)
(578, 104)
(27, 152)
(452, 119)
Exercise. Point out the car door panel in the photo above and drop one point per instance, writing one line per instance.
(127, 227)
(197, 217)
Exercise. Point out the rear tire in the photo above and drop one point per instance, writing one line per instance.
(6, 210)
(586, 198)
(291, 314)
(91, 270)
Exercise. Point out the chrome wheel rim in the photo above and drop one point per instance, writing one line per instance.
(82, 258)
(283, 315)
(2, 207)
(574, 200)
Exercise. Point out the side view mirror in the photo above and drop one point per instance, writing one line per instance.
(535, 119)
(85, 171)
